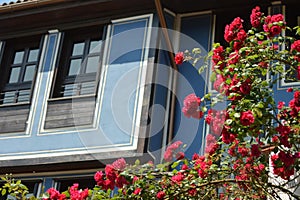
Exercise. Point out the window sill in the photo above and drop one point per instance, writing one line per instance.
(71, 97)
(14, 104)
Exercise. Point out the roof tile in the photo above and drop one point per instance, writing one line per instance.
(15, 2)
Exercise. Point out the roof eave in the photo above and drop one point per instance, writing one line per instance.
(28, 5)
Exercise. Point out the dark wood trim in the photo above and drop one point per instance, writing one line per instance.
(69, 15)
(170, 48)
(85, 34)
(74, 162)
(11, 46)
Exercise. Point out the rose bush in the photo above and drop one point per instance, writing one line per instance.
(252, 149)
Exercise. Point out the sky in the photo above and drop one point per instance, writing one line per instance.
(6, 1)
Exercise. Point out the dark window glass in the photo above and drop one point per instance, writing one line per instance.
(79, 62)
(19, 65)
(32, 185)
(84, 182)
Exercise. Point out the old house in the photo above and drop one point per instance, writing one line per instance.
(83, 82)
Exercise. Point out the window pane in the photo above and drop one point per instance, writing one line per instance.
(33, 55)
(9, 97)
(78, 49)
(87, 88)
(95, 46)
(14, 75)
(74, 67)
(29, 73)
(24, 96)
(84, 182)
(70, 90)
(92, 64)
(18, 57)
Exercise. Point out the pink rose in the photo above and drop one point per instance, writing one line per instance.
(191, 105)
(119, 164)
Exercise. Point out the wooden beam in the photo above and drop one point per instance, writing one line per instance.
(173, 64)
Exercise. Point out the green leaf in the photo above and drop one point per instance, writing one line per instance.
(196, 51)
(237, 115)
(3, 192)
(213, 76)
(257, 112)
(137, 162)
(175, 164)
(201, 69)
(260, 105)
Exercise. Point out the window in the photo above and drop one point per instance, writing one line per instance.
(83, 181)
(18, 67)
(79, 62)
(34, 188)
(76, 75)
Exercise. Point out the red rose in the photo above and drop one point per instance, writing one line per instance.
(296, 46)
(233, 29)
(275, 30)
(110, 172)
(180, 155)
(177, 178)
(246, 87)
(242, 35)
(298, 72)
(283, 130)
(227, 137)
(255, 152)
(137, 191)
(160, 195)
(263, 64)
(277, 18)
(121, 181)
(243, 151)
(184, 167)
(234, 57)
(280, 105)
(255, 17)
(218, 57)
(179, 58)
(247, 118)
(98, 176)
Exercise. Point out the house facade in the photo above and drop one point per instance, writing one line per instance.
(86, 82)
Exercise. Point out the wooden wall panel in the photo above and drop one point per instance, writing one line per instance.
(70, 112)
(13, 118)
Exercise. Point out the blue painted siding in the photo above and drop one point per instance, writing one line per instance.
(197, 30)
